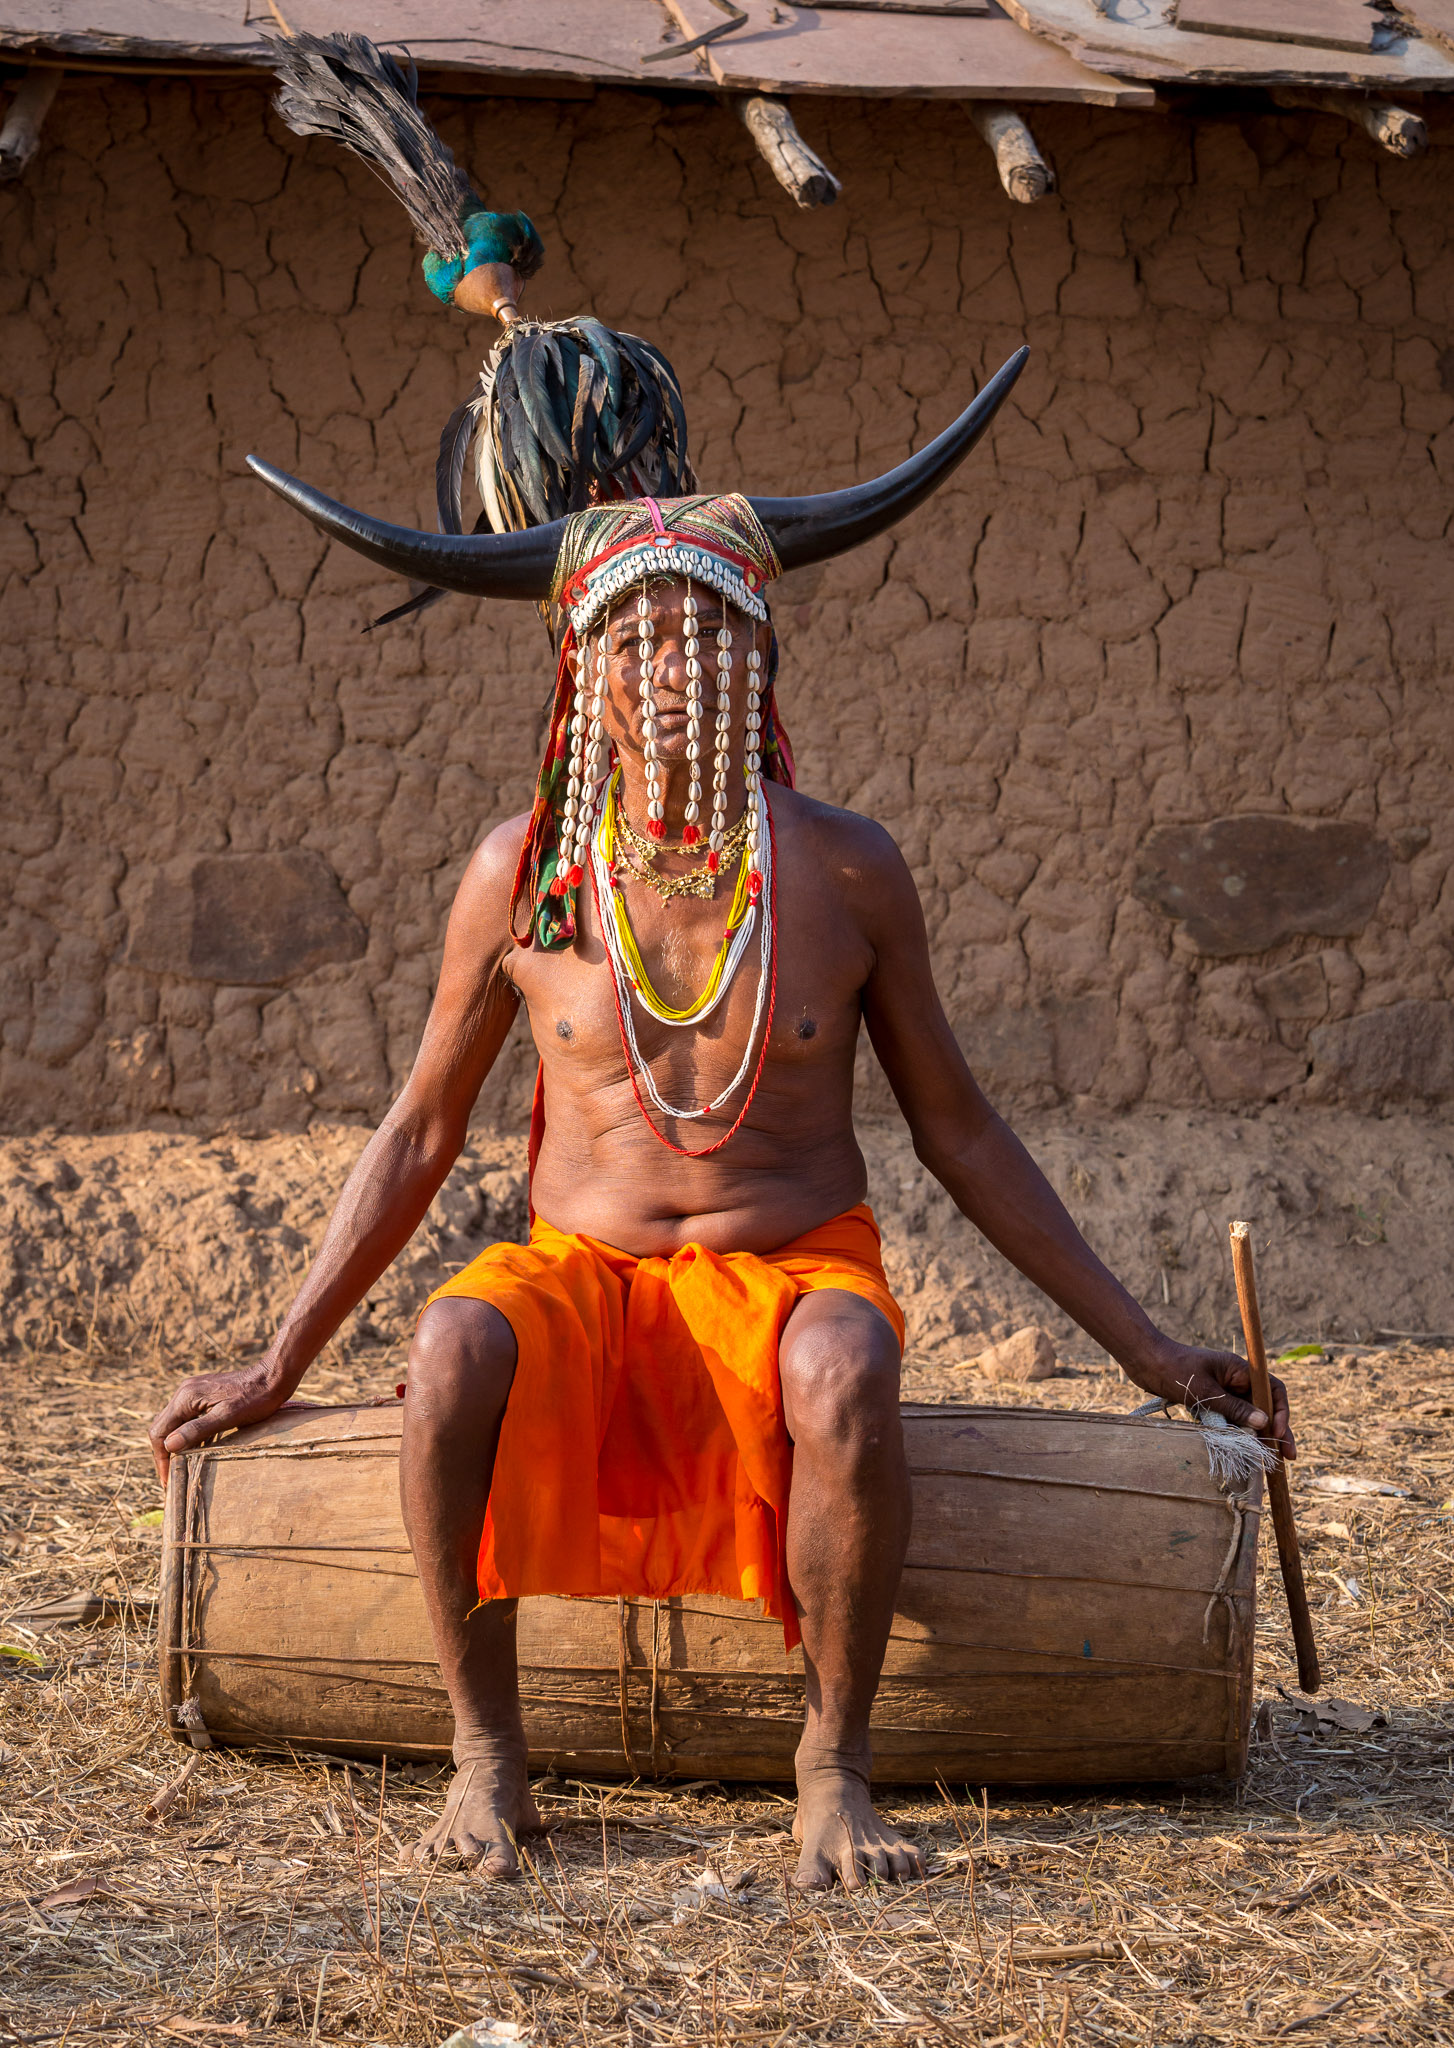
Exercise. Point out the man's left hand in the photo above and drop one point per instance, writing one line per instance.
(1219, 1380)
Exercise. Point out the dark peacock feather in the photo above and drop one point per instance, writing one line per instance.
(342, 87)
(568, 412)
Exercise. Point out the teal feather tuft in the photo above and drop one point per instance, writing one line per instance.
(503, 238)
(489, 238)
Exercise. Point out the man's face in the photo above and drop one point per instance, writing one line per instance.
(625, 711)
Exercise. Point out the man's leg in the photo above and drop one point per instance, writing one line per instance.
(461, 1366)
(848, 1529)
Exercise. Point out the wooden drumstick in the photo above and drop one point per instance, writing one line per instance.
(1279, 1498)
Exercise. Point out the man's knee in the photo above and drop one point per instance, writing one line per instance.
(840, 1375)
(462, 1359)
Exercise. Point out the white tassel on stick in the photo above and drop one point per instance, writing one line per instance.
(1234, 1455)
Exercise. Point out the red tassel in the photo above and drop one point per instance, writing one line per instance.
(690, 835)
(656, 828)
(714, 862)
(576, 876)
(754, 886)
(557, 885)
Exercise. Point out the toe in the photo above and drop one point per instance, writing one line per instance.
(814, 1872)
(500, 1862)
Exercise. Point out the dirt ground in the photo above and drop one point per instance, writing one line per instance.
(147, 1242)
(269, 1901)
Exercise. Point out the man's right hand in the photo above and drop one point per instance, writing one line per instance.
(209, 1402)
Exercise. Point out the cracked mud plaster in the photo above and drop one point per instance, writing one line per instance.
(1199, 570)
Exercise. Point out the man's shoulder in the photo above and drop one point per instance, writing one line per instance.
(485, 887)
(498, 853)
(845, 842)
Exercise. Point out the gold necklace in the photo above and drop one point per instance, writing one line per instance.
(637, 855)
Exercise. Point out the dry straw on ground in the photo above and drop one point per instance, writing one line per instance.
(150, 1894)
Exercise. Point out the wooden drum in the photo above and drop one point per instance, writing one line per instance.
(1077, 1608)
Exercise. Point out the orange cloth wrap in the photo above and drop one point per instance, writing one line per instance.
(643, 1449)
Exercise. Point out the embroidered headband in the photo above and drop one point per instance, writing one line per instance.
(610, 548)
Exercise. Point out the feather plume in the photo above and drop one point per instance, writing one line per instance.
(342, 87)
(567, 413)
(454, 448)
(570, 411)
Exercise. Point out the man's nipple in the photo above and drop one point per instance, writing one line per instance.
(563, 1028)
(808, 1028)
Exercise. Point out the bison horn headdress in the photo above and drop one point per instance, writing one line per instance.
(582, 466)
(735, 545)
(523, 565)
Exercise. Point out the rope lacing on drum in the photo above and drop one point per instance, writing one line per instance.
(1235, 1458)
(623, 1666)
(1238, 1504)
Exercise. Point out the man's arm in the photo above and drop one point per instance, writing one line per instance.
(401, 1170)
(973, 1153)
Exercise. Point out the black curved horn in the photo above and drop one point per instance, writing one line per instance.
(811, 529)
(518, 565)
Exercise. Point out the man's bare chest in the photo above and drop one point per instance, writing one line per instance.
(812, 983)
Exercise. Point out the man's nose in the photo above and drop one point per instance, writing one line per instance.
(669, 665)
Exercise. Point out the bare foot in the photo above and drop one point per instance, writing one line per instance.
(487, 1809)
(842, 1836)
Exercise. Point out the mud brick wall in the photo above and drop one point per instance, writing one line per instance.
(1155, 698)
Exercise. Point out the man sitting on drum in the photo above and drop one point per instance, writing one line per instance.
(688, 1380)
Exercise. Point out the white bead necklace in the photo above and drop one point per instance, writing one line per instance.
(758, 916)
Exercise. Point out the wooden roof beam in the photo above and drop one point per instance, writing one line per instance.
(25, 117)
(1024, 172)
(798, 169)
(1396, 129)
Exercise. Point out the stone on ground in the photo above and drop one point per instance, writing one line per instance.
(1027, 1355)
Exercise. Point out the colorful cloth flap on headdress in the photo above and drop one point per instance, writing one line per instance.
(607, 550)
